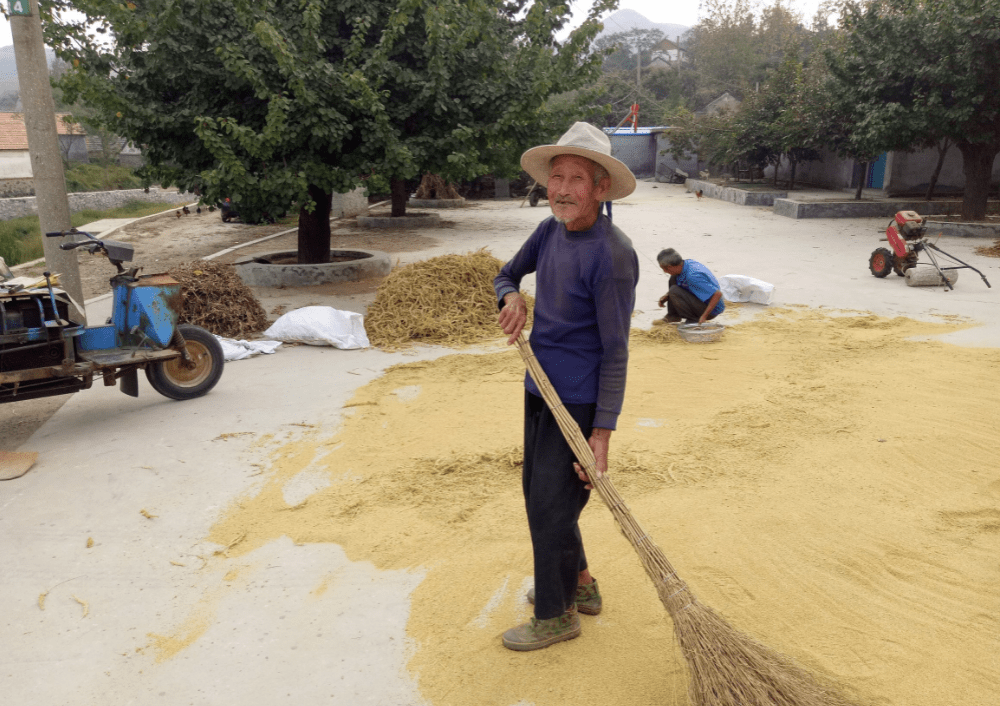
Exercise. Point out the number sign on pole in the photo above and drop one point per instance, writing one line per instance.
(20, 7)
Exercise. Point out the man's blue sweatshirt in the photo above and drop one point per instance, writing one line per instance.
(584, 296)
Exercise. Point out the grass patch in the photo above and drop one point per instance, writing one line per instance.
(21, 238)
(95, 177)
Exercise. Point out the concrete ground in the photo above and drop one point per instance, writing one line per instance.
(106, 532)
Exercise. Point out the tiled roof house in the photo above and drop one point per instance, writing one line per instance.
(15, 162)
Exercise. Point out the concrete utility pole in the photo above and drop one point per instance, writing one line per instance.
(43, 142)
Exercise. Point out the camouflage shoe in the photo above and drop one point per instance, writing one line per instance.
(588, 598)
(536, 634)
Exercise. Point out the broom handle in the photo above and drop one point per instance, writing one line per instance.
(654, 561)
(570, 429)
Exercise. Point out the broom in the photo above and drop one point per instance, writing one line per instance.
(727, 668)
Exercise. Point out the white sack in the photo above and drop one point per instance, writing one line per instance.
(740, 288)
(320, 326)
(238, 350)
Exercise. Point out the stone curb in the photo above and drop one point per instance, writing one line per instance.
(740, 197)
(860, 209)
(437, 203)
(414, 221)
(964, 230)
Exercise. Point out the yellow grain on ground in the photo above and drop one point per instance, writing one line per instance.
(194, 626)
(828, 483)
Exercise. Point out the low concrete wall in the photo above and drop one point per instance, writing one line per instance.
(353, 203)
(860, 209)
(964, 230)
(344, 205)
(26, 206)
(410, 220)
(437, 203)
(636, 150)
(740, 197)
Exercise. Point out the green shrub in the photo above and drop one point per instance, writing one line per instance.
(98, 177)
(10, 248)
(21, 238)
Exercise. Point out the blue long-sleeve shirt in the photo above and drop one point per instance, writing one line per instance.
(584, 296)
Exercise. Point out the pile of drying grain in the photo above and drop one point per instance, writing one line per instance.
(989, 250)
(445, 300)
(216, 299)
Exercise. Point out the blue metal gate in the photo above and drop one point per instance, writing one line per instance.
(876, 175)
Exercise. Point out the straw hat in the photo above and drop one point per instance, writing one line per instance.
(584, 140)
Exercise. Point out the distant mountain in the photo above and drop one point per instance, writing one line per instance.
(8, 69)
(627, 20)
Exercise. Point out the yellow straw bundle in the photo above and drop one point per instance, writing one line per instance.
(447, 300)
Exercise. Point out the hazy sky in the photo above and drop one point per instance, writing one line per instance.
(682, 12)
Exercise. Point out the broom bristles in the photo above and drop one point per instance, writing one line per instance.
(729, 668)
(726, 666)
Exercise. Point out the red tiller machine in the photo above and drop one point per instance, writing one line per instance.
(906, 237)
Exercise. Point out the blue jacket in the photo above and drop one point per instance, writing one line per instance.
(699, 280)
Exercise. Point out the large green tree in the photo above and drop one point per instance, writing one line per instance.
(281, 104)
(737, 42)
(913, 72)
(621, 51)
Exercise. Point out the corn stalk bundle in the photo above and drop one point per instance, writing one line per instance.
(216, 299)
(726, 667)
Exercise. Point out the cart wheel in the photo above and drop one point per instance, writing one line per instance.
(174, 379)
(880, 263)
(533, 199)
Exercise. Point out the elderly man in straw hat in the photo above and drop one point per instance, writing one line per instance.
(586, 272)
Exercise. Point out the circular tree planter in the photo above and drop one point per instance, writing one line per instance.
(281, 269)
(437, 203)
(410, 220)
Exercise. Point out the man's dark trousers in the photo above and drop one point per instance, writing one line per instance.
(682, 303)
(554, 497)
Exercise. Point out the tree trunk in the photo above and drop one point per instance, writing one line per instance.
(314, 229)
(791, 178)
(862, 181)
(399, 197)
(977, 163)
(777, 168)
(942, 149)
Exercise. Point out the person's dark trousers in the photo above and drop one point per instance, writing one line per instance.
(554, 497)
(682, 303)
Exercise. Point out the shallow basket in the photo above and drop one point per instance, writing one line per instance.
(701, 333)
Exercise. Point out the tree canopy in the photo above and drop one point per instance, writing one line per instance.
(916, 73)
(278, 104)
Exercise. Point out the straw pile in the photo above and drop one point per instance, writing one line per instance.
(216, 299)
(447, 300)
(989, 250)
(726, 667)
(434, 187)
